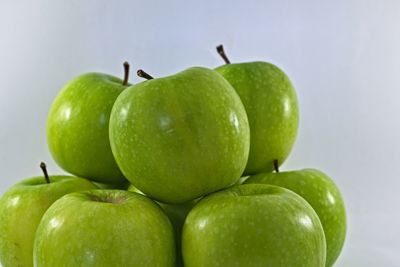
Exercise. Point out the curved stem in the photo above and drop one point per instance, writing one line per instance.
(45, 174)
(221, 52)
(141, 73)
(126, 73)
(276, 166)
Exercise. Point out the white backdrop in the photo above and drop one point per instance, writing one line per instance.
(342, 56)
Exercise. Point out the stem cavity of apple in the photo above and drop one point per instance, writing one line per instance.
(141, 73)
(126, 73)
(276, 166)
(45, 174)
(221, 52)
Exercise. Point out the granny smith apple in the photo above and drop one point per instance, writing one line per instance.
(323, 195)
(241, 180)
(272, 109)
(77, 126)
(253, 225)
(103, 228)
(175, 212)
(177, 215)
(123, 185)
(180, 137)
(21, 209)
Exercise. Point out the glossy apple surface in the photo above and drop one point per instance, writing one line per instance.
(323, 195)
(253, 225)
(21, 209)
(272, 109)
(77, 127)
(180, 137)
(103, 228)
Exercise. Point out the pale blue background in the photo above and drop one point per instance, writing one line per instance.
(342, 56)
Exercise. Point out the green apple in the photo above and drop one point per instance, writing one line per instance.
(123, 185)
(103, 228)
(253, 225)
(77, 126)
(272, 109)
(177, 215)
(323, 195)
(180, 137)
(21, 209)
(175, 212)
(241, 180)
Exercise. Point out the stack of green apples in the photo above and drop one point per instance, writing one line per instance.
(174, 171)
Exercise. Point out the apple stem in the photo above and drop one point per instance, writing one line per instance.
(126, 73)
(141, 73)
(221, 52)
(276, 166)
(44, 169)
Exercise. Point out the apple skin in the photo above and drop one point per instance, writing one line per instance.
(77, 127)
(21, 209)
(176, 214)
(272, 110)
(253, 225)
(122, 186)
(180, 137)
(323, 195)
(102, 228)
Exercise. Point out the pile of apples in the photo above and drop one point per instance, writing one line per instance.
(174, 171)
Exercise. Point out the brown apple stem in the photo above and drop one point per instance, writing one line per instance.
(126, 73)
(276, 166)
(221, 52)
(44, 169)
(141, 73)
